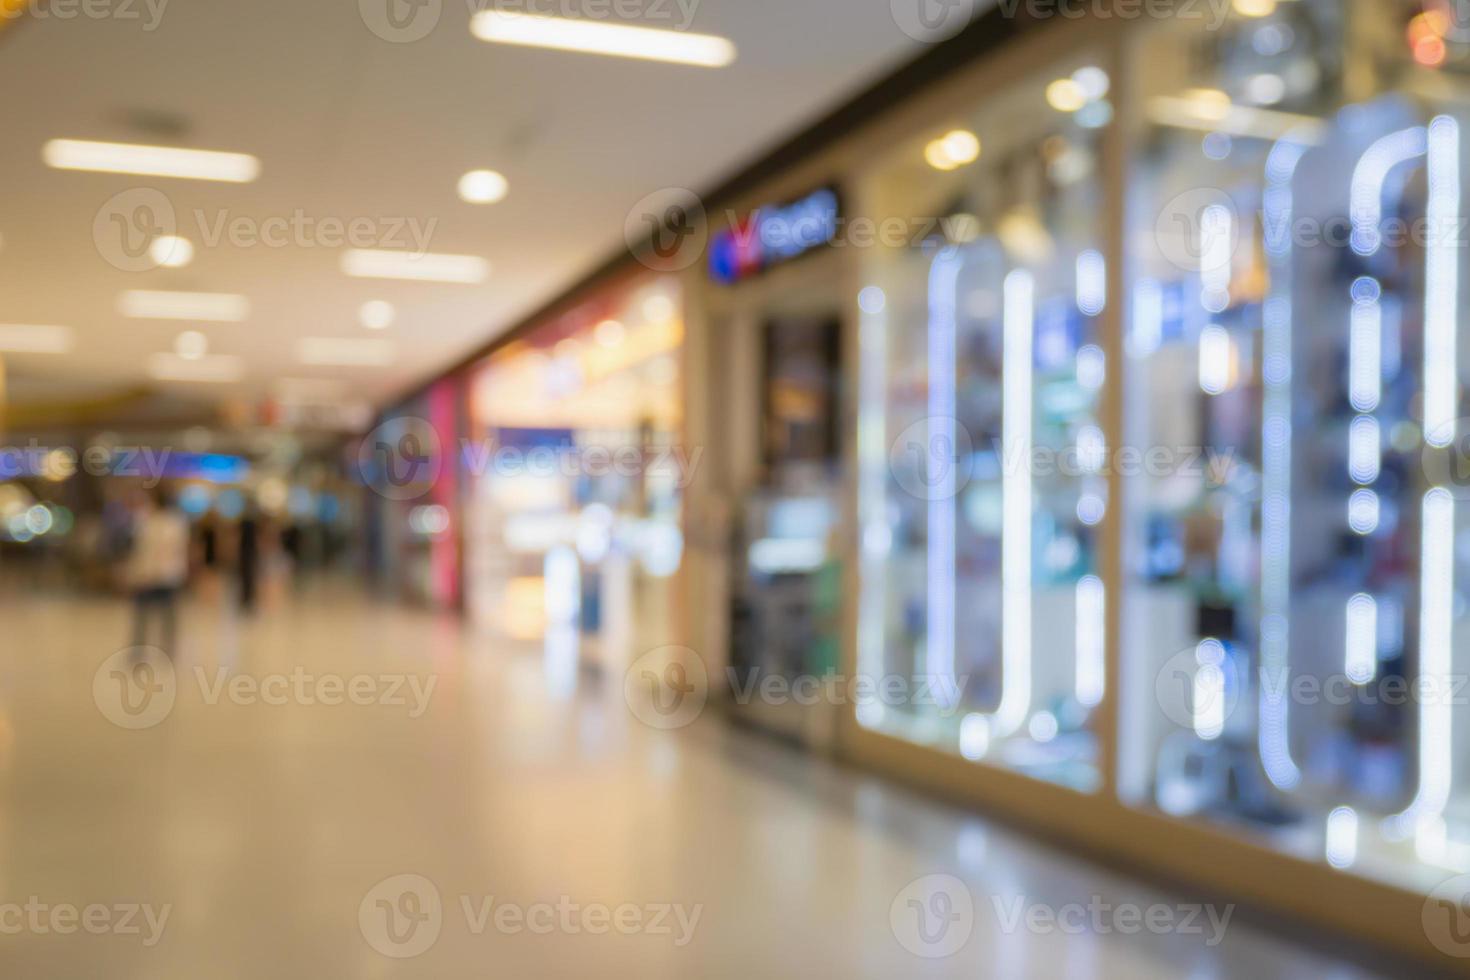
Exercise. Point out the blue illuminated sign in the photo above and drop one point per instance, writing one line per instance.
(774, 234)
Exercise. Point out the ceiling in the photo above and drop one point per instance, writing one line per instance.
(348, 125)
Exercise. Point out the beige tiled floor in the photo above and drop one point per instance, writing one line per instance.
(268, 831)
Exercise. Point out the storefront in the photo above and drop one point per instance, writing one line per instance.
(1147, 376)
(576, 475)
(412, 466)
(772, 302)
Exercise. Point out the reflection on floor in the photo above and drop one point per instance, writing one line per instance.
(461, 811)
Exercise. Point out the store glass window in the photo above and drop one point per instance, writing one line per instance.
(982, 454)
(1296, 531)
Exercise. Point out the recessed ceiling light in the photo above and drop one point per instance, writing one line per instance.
(191, 345)
(1255, 8)
(35, 338)
(148, 304)
(609, 333)
(171, 251)
(483, 187)
(345, 351)
(1066, 95)
(598, 37)
(376, 314)
(954, 149)
(151, 161)
(366, 263)
(1093, 81)
(961, 146)
(937, 156)
(658, 308)
(216, 368)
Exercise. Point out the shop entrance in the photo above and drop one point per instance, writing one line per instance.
(778, 344)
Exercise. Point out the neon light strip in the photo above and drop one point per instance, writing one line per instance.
(1091, 646)
(1342, 837)
(1016, 367)
(1216, 228)
(1092, 282)
(1436, 600)
(1365, 200)
(1148, 318)
(1273, 741)
(1365, 450)
(873, 454)
(1441, 282)
(1437, 561)
(1365, 355)
(940, 641)
(1360, 643)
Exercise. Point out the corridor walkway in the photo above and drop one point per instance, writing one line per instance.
(344, 788)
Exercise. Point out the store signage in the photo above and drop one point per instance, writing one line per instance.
(773, 234)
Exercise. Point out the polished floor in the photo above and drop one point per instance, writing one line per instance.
(343, 788)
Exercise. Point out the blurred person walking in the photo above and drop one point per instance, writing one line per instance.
(247, 560)
(157, 567)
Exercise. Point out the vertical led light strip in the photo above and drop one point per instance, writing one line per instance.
(1091, 649)
(1148, 318)
(1273, 736)
(1217, 255)
(1341, 848)
(943, 298)
(1442, 282)
(873, 467)
(1019, 314)
(1435, 611)
(1092, 282)
(1437, 560)
(1360, 653)
(1365, 350)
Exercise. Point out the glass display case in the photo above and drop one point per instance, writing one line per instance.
(1295, 563)
(983, 462)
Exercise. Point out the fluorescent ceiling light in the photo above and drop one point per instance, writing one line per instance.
(1209, 115)
(34, 338)
(600, 37)
(364, 263)
(146, 304)
(483, 187)
(345, 351)
(171, 251)
(151, 161)
(214, 368)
